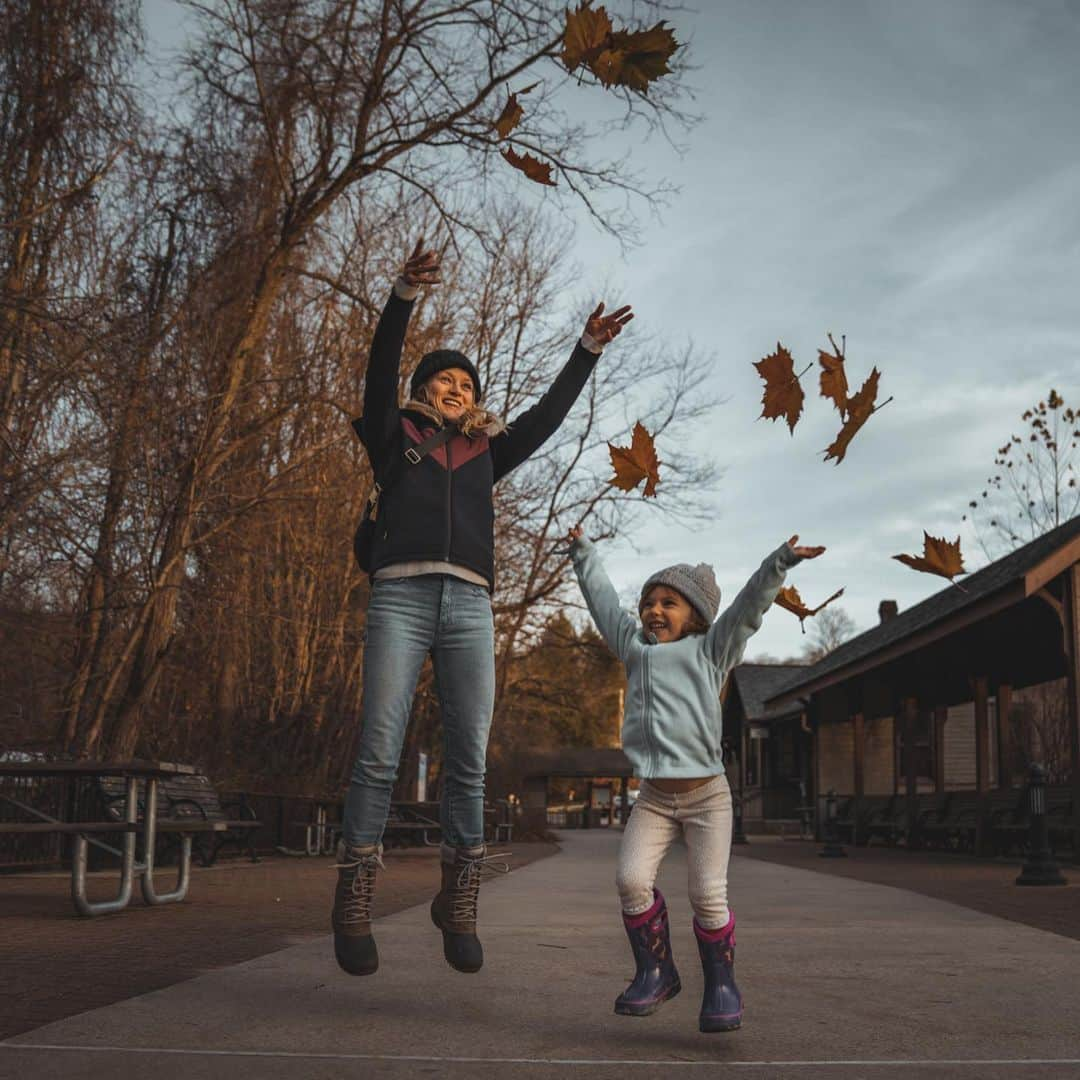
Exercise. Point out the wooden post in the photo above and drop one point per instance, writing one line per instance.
(1003, 699)
(941, 716)
(1072, 671)
(980, 692)
(858, 720)
(911, 716)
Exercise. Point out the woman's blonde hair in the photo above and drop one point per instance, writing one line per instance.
(474, 421)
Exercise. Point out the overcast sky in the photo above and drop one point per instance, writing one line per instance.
(906, 174)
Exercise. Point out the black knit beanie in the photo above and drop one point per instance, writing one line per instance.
(440, 360)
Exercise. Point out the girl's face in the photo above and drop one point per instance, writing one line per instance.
(666, 613)
(451, 391)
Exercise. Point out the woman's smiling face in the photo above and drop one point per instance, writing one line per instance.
(665, 613)
(451, 391)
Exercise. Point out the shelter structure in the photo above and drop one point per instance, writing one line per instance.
(921, 702)
(576, 763)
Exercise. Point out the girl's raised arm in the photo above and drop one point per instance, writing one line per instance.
(616, 625)
(741, 619)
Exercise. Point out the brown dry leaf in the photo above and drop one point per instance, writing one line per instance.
(789, 599)
(858, 410)
(635, 58)
(783, 394)
(635, 463)
(586, 35)
(833, 380)
(939, 557)
(532, 167)
(512, 113)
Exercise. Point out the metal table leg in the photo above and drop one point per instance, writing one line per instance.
(127, 864)
(149, 839)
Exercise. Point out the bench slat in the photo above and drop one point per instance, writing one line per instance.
(67, 827)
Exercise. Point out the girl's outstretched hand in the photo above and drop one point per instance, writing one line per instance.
(574, 533)
(805, 552)
(605, 328)
(422, 266)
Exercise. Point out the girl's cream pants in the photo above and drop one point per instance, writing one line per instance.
(703, 818)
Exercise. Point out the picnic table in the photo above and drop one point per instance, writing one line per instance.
(84, 832)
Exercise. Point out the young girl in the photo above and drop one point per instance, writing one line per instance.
(676, 661)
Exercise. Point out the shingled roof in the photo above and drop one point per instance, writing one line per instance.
(759, 682)
(1010, 570)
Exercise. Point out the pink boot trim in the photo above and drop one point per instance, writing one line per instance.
(724, 933)
(634, 921)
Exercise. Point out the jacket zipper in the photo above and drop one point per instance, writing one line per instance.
(646, 696)
(449, 497)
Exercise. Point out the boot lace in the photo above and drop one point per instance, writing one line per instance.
(359, 885)
(466, 895)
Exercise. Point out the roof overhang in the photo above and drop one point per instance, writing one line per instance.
(982, 609)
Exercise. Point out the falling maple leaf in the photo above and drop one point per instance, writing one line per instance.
(635, 58)
(789, 599)
(630, 58)
(858, 410)
(833, 380)
(635, 463)
(532, 167)
(939, 557)
(783, 394)
(512, 113)
(586, 36)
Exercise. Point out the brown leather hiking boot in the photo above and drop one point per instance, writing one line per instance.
(354, 945)
(453, 910)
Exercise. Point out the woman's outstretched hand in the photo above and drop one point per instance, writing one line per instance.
(605, 328)
(422, 266)
(805, 552)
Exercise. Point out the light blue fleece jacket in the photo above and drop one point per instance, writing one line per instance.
(671, 718)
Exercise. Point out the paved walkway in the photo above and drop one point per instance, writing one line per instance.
(842, 978)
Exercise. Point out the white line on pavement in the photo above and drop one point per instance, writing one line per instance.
(431, 1058)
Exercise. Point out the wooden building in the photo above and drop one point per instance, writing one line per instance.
(920, 703)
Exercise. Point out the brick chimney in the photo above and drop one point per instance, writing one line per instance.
(886, 610)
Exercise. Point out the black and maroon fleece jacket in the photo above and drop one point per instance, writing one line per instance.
(441, 509)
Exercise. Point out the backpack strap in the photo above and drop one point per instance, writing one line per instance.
(412, 455)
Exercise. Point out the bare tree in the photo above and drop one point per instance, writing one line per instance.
(828, 629)
(1036, 488)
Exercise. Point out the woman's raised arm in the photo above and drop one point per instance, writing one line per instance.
(527, 432)
(377, 426)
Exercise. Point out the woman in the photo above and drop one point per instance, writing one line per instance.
(432, 569)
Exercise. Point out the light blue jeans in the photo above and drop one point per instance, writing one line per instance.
(407, 619)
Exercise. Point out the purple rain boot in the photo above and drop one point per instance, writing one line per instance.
(721, 1004)
(656, 979)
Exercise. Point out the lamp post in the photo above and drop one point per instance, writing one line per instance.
(738, 836)
(832, 849)
(1039, 868)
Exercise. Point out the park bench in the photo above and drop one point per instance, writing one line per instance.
(1007, 819)
(954, 824)
(191, 798)
(1061, 831)
(887, 820)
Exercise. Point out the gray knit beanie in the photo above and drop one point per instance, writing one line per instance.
(696, 583)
